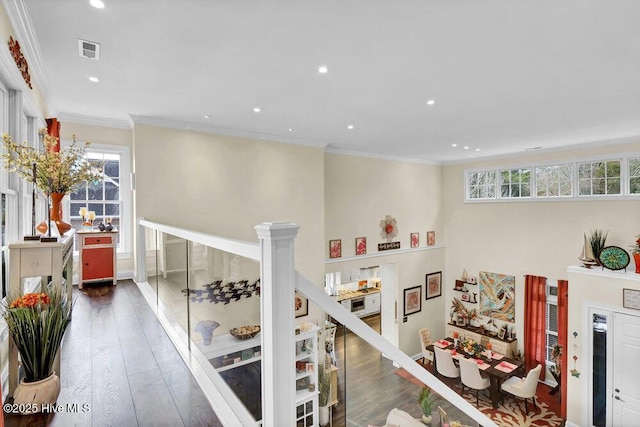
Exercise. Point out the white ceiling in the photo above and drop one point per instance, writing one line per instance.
(507, 75)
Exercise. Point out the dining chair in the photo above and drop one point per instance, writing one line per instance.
(425, 340)
(445, 365)
(470, 376)
(525, 387)
(444, 419)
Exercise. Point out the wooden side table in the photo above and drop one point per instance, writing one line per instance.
(96, 257)
(33, 259)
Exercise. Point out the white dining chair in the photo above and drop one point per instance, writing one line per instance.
(470, 376)
(524, 388)
(445, 365)
(425, 340)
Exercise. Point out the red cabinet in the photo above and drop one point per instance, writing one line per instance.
(97, 257)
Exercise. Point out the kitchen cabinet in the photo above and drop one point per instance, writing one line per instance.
(96, 257)
(346, 303)
(372, 304)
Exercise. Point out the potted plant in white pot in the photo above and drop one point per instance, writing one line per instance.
(37, 323)
(426, 399)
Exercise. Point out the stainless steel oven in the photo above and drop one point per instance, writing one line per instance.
(357, 305)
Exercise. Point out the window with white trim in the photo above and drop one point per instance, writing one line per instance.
(553, 181)
(482, 185)
(599, 178)
(634, 175)
(551, 321)
(108, 198)
(515, 183)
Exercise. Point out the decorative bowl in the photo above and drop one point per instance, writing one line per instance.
(245, 332)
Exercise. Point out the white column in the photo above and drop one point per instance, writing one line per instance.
(277, 286)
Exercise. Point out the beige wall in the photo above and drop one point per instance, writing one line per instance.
(225, 186)
(359, 193)
(518, 238)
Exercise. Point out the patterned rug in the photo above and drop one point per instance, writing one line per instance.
(510, 413)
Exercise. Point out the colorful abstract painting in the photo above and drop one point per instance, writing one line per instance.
(498, 296)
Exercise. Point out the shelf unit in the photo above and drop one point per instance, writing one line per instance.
(306, 396)
(228, 352)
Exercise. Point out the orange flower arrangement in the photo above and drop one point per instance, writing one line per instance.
(31, 300)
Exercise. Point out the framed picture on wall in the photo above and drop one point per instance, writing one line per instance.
(361, 245)
(335, 248)
(301, 305)
(431, 238)
(434, 285)
(412, 300)
(415, 240)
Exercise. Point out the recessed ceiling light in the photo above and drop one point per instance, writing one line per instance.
(350, 127)
(466, 148)
(323, 69)
(98, 4)
(93, 79)
(431, 101)
(290, 129)
(256, 110)
(207, 116)
(477, 149)
(454, 145)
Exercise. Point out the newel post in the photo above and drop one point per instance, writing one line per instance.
(277, 286)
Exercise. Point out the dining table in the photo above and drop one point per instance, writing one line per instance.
(493, 365)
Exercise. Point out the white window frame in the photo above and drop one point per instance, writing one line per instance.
(126, 217)
(520, 172)
(557, 167)
(551, 302)
(624, 181)
(622, 177)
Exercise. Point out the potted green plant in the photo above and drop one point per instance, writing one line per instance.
(37, 323)
(598, 241)
(426, 399)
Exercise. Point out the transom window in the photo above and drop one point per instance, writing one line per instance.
(634, 176)
(515, 183)
(553, 181)
(482, 185)
(599, 178)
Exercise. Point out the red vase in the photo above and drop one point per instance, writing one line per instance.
(636, 258)
(55, 214)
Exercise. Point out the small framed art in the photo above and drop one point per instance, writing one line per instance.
(412, 300)
(434, 285)
(335, 248)
(301, 305)
(361, 245)
(431, 238)
(415, 240)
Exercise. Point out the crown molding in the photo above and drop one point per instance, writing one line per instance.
(198, 127)
(94, 121)
(334, 150)
(26, 36)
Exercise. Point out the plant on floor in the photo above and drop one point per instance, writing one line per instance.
(426, 399)
(37, 323)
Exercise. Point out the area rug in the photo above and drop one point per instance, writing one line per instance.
(510, 413)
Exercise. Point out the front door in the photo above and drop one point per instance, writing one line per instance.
(626, 375)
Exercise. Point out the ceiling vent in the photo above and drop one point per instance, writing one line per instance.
(87, 49)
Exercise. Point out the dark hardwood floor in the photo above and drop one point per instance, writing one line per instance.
(117, 359)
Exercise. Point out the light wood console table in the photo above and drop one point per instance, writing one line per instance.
(38, 259)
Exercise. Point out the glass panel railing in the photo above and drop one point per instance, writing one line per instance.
(173, 280)
(378, 392)
(224, 314)
(210, 299)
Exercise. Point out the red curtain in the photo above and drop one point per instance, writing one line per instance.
(535, 307)
(563, 315)
(53, 129)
